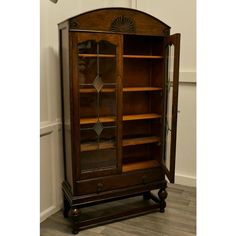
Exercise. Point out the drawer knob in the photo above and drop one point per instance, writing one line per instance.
(99, 187)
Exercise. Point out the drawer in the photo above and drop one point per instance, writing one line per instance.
(108, 183)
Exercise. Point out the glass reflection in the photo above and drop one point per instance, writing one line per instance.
(169, 101)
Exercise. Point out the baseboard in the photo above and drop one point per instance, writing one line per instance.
(185, 180)
(49, 211)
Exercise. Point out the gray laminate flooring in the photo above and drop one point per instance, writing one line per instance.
(179, 219)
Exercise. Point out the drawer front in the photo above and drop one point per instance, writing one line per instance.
(108, 183)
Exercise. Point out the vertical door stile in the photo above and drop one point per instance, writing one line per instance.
(75, 106)
(119, 102)
(172, 98)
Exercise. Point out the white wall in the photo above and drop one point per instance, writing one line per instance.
(180, 15)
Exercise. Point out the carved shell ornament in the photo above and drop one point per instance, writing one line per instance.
(123, 24)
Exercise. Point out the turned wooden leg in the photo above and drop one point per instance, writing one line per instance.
(147, 195)
(66, 207)
(75, 215)
(162, 194)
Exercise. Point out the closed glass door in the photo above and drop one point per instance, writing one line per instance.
(98, 81)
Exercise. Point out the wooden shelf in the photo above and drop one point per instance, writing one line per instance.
(93, 120)
(93, 90)
(143, 56)
(97, 55)
(146, 116)
(140, 140)
(107, 119)
(111, 144)
(124, 56)
(139, 165)
(140, 89)
(93, 146)
(127, 89)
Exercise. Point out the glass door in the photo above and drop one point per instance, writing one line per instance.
(172, 49)
(98, 86)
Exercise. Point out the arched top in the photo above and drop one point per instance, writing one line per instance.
(119, 20)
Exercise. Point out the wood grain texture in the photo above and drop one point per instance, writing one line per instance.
(141, 116)
(179, 218)
(139, 165)
(141, 140)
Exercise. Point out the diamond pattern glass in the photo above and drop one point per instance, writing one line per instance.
(97, 83)
(96, 72)
(98, 128)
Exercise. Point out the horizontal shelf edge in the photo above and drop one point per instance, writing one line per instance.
(140, 89)
(126, 142)
(126, 89)
(140, 165)
(108, 119)
(97, 55)
(143, 56)
(140, 141)
(124, 56)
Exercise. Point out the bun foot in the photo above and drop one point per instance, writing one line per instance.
(75, 215)
(162, 194)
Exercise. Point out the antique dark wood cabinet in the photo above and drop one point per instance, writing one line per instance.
(119, 79)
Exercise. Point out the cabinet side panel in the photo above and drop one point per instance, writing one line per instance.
(66, 117)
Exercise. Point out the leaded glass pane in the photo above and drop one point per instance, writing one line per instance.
(97, 71)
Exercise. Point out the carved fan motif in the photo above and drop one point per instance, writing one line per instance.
(122, 24)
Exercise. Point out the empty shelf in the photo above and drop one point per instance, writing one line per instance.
(140, 89)
(141, 116)
(93, 120)
(140, 140)
(96, 55)
(140, 165)
(143, 56)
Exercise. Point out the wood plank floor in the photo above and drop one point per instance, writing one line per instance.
(179, 219)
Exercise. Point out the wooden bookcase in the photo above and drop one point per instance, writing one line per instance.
(119, 79)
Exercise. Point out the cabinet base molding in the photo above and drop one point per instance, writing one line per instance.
(73, 206)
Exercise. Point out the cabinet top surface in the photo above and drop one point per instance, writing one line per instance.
(117, 20)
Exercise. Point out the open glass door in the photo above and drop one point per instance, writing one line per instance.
(172, 51)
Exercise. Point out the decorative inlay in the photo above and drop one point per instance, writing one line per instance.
(74, 25)
(123, 24)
